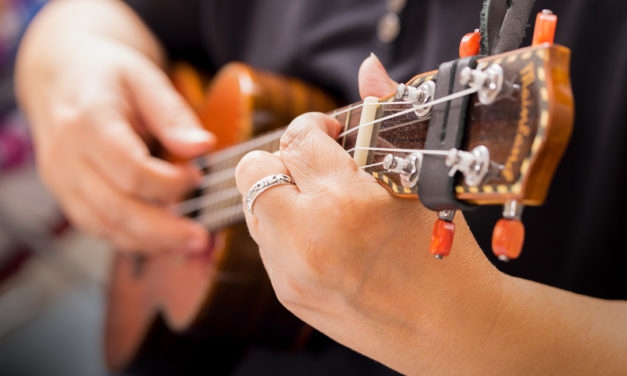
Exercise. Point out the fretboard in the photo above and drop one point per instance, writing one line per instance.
(219, 203)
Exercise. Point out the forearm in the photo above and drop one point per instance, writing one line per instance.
(64, 27)
(529, 329)
(548, 330)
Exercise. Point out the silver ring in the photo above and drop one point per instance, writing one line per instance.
(264, 184)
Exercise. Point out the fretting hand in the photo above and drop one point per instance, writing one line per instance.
(351, 260)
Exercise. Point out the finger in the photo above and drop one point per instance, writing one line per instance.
(274, 203)
(166, 114)
(140, 226)
(85, 217)
(311, 154)
(122, 157)
(373, 79)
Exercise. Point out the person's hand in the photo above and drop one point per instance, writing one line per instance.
(353, 261)
(92, 119)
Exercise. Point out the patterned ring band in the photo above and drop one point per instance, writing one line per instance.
(263, 184)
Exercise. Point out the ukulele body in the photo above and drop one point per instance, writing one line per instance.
(223, 295)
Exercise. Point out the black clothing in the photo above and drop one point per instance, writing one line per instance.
(575, 240)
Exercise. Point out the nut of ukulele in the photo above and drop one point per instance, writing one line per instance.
(442, 235)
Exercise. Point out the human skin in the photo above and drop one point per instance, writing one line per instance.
(90, 78)
(352, 261)
(342, 253)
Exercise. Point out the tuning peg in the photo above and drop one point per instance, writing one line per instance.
(509, 232)
(474, 165)
(408, 168)
(417, 96)
(488, 81)
(442, 235)
(544, 30)
(469, 46)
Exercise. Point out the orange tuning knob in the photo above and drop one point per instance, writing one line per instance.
(469, 46)
(443, 234)
(544, 30)
(442, 238)
(508, 238)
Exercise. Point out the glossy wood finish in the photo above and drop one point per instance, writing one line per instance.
(526, 129)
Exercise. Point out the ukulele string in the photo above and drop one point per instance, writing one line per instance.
(228, 174)
(217, 177)
(450, 97)
(247, 146)
(217, 157)
(213, 178)
(394, 150)
(208, 200)
(351, 107)
(225, 174)
(229, 214)
(203, 201)
(372, 165)
(222, 217)
(240, 149)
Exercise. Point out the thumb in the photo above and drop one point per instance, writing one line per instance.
(373, 79)
(165, 113)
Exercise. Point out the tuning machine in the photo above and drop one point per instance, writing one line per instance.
(419, 96)
(509, 232)
(474, 164)
(408, 168)
(488, 82)
(443, 234)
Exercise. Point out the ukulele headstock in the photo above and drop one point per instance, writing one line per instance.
(514, 127)
(525, 129)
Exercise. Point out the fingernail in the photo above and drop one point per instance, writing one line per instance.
(376, 58)
(194, 135)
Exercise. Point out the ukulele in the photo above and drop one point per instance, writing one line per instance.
(477, 131)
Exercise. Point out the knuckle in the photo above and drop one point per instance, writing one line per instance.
(298, 131)
(68, 122)
(133, 180)
(249, 163)
(340, 203)
(115, 211)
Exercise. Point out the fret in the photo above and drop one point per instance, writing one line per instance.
(346, 123)
(355, 115)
